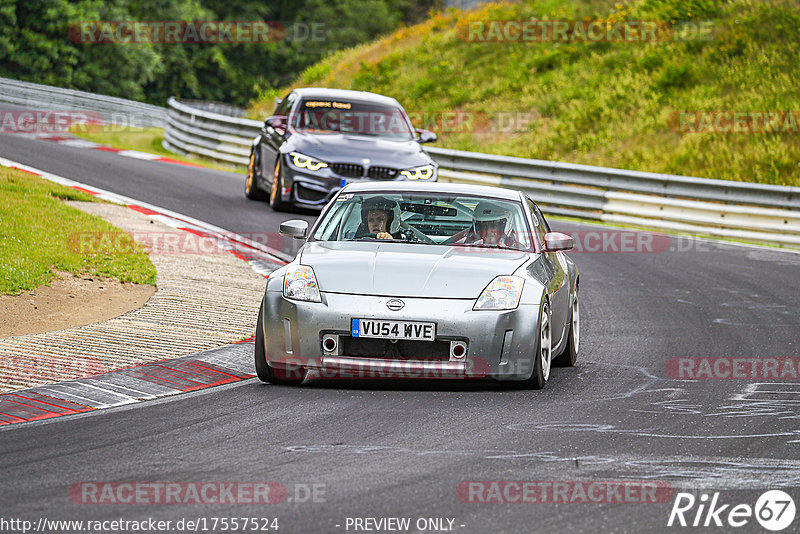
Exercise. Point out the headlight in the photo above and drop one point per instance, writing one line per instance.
(502, 293)
(418, 173)
(302, 161)
(301, 284)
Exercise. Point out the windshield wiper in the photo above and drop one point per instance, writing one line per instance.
(368, 238)
(480, 245)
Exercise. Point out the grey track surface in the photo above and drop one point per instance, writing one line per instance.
(209, 195)
(402, 449)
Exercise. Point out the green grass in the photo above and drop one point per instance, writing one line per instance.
(602, 103)
(39, 234)
(143, 140)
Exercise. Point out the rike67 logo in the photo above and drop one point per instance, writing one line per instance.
(774, 510)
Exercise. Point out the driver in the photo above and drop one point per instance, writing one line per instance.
(377, 215)
(492, 226)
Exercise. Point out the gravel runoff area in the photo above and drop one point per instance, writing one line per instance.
(202, 301)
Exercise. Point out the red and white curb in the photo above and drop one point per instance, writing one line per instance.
(130, 385)
(211, 368)
(261, 258)
(68, 140)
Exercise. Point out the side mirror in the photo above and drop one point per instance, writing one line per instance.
(554, 241)
(277, 123)
(426, 136)
(295, 228)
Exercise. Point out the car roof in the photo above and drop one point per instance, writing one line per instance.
(362, 96)
(433, 187)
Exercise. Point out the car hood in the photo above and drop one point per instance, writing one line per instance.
(407, 270)
(339, 148)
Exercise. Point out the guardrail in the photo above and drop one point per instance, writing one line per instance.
(113, 110)
(200, 130)
(723, 208)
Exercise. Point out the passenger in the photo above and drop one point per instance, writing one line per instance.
(492, 226)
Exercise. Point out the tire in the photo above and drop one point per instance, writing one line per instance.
(542, 361)
(251, 189)
(264, 371)
(275, 201)
(570, 354)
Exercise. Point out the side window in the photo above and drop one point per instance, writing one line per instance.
(540, 225)
(542, 219)
(333, 229)
(351, 222)
(286, 105)
(520, 225)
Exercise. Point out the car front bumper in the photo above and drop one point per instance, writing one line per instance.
(499, 344)
(315, 190)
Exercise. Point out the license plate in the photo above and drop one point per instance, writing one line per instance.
(393, 329)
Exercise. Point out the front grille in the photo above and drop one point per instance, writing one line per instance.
(382, 173)
(358, 347)
(348, 170)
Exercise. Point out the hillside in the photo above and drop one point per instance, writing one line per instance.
(611, 102)
(193, 49)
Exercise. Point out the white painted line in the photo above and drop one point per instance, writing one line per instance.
(258, 267)
(104, 381)
(68, 392)
(78, 143)
(138, 155)
(166, 220)
(123, 399)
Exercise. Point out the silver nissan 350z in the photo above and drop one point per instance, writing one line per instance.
(421, 280)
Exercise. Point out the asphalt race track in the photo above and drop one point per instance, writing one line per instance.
(378, 450)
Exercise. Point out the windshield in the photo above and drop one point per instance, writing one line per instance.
(430, 218)
(359, 118)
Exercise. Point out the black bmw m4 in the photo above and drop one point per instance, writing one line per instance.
(318, 140)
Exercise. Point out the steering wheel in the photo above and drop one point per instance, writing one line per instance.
(370, 237)
(411, 231)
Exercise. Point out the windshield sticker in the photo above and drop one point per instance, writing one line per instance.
(346, 196)
(321, 104)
